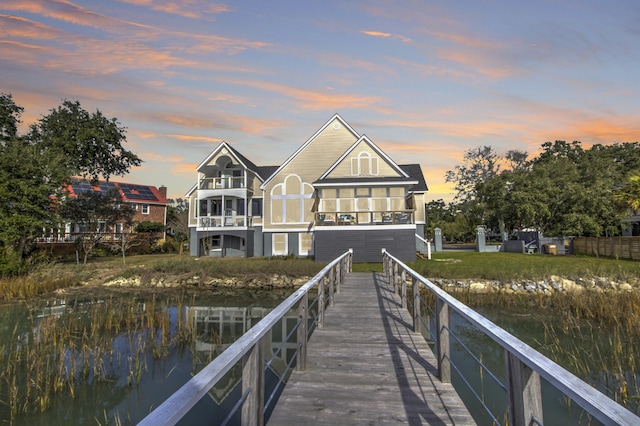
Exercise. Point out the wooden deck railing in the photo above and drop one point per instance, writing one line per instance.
(250, 350)
(373, 217)
(524, 365)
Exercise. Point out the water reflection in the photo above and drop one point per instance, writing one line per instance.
(111, 396)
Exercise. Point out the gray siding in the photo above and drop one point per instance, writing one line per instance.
(268, 244)
(294, 241)
(258, 242)
(367, 244)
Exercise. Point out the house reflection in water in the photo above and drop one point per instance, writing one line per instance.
(216, 328)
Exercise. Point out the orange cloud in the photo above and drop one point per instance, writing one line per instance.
(155, 156)
(195, 138)
(185, 169)
(311, 100)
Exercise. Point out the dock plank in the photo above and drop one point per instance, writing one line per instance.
(367, 366)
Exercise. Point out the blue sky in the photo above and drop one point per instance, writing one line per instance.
(424, 80)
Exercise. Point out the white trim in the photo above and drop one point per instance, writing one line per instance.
(288, 230)
(305, 252)
(366, 183)
(363, 227)
(282, 198)
(286, 245)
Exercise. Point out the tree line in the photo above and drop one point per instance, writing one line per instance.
(36, 166)
(567, 190)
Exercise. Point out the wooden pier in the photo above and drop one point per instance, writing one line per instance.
(367, 366)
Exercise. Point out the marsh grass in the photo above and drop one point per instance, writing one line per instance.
(53, 277)
(77, 348)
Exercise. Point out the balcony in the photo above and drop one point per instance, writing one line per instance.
(208, 222)
(222, 183)
(380, 217)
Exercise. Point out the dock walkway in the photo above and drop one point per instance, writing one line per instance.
(367, 367)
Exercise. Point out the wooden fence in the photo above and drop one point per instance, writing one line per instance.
(620, 247)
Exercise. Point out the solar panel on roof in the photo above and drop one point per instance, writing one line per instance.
(138, 192)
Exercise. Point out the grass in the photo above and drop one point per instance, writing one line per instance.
(79, 347)
(513, 266)
(49, 278)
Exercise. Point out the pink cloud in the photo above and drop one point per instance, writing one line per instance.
(386, 35)
(194, 9)
(313, 100)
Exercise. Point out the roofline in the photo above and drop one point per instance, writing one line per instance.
(304, 145)
(232, 150)
(375, 147)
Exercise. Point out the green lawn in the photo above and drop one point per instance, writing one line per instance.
(514, 266)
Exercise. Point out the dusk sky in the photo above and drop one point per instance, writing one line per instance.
(424, 80)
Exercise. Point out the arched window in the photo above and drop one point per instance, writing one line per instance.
(364, 165)
(291, 201)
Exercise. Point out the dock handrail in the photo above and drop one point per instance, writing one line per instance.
(524, 365)
(250, 349)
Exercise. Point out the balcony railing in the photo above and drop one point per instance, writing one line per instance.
(222, 221)
(102, 236)
(221, 182)
(375, 217)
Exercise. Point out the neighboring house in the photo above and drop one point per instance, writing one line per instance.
(337, 191)
(150, 204)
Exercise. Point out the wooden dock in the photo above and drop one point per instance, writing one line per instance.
(367, 367)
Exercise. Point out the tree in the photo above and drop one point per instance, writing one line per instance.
(478, 165)
(628, 196)
(34, 167)
(96, 213)
(124, 242)
(178, 221)
(26, 188)
(89, 144)
(9, 118)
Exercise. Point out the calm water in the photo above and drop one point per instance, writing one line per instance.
(217, 322)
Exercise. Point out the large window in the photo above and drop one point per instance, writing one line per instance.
(291, 201)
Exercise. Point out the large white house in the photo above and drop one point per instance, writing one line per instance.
(336, 191)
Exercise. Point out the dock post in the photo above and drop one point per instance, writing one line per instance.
(303, 318)
(524, 392)
(395, 278)
(253, 384)
(415, 291)
(321, 301)
(404, 289)
(332, 279)
(442, 326)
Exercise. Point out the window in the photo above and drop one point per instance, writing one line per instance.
(291, 201)
(145, 209)
(306, 244)
(364, 165)
(134, 206)
(256, 207)
(280, 245)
